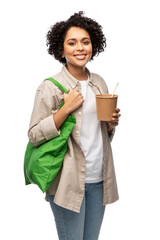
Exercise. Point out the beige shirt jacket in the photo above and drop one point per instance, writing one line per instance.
(69, 185)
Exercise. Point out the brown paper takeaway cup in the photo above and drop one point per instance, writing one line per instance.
(106, 105)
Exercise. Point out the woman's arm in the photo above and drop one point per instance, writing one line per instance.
(46, 119)
(42, 127)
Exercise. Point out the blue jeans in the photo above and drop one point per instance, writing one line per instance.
(86, 224)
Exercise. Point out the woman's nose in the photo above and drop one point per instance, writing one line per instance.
(80, 46)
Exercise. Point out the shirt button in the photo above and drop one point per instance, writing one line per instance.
(79, 112)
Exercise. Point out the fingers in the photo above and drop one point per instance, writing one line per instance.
(78, 93)
(75, 92)
(114, 120)
(117, 110)
(73, 100)
(112, 124)
(115, 117)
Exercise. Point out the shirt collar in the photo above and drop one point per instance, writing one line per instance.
(73, 82)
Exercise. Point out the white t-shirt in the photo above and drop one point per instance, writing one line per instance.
(91, 136)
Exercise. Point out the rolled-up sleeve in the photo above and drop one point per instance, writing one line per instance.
(42, 127)
(48, 128)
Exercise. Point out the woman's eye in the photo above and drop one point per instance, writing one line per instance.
(86, 42)
(71, 43)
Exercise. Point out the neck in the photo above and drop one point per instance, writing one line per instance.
(77, 72)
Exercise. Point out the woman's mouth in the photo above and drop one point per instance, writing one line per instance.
(80, 56)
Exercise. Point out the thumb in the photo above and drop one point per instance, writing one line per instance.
(66, 94)
(68, 90)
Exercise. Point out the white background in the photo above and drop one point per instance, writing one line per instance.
(132, 58)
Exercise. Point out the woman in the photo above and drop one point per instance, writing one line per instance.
(86, 181)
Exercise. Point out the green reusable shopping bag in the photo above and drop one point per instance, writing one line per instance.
(42, 163)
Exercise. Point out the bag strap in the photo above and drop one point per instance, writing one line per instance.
(57, 84)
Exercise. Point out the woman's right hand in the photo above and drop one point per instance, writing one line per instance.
(73, 100)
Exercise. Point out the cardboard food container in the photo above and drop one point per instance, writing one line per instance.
(106, 105)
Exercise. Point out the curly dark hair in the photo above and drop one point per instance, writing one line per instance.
(57, 33)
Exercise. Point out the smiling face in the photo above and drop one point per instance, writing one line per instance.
(77, 47)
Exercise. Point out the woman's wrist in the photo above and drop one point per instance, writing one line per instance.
(61, 116)
(67, 110)
(109, 129)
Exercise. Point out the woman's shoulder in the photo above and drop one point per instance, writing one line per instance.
(47, 86)
(96, 78)
(99, 81)
(48, 91)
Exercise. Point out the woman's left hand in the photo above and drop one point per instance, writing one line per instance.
(115, 120)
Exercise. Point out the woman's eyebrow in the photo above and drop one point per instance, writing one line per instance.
(74, 39)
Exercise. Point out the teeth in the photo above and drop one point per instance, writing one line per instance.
(80, 56)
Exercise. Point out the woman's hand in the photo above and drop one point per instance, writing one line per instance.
(73, 100)
(115, 120)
